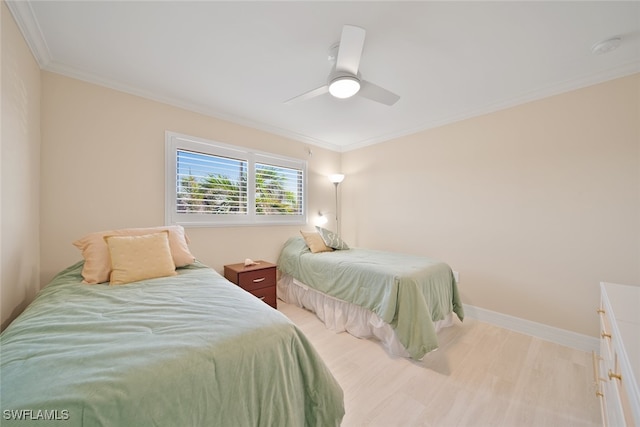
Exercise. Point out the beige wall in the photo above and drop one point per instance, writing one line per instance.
(103, 167)
(19, 172)
(533, 205)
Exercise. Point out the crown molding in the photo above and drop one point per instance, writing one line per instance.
(556, 89)
(74, 73)
(28, 25)
(25, 19)
(552, 90)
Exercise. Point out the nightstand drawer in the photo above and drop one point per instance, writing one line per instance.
(267, 295)
(257, 279)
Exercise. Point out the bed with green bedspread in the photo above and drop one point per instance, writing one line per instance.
(187, 350)
(408, 292)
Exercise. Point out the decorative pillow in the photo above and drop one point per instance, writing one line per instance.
(315, 242)
(97, 262)
(331, 239)
(135, 258)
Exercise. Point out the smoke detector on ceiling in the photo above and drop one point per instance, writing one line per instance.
(606, 46)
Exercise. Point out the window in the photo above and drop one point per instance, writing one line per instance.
(213, 184)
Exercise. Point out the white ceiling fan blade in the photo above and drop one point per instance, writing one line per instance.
(350, 50)
(376, 93)
(308, 95)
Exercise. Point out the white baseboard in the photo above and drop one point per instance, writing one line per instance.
(538, 330)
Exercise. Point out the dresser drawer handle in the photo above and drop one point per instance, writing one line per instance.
(596, 367)
(600, 311)
(613, 375)
(604, 334)
(261, 279)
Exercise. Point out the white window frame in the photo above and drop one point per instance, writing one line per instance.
(176, 141)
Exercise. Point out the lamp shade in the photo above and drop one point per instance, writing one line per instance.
(336, 178)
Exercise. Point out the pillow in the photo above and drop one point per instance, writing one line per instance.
(331, 239)
(135, 258)
(314, 241)
(97, 262)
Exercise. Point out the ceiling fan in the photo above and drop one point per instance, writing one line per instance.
(344, 79)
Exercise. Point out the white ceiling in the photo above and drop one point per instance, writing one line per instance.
(240, 60)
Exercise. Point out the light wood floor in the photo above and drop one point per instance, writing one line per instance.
(481, 375)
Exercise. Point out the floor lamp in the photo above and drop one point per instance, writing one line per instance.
(337, 178)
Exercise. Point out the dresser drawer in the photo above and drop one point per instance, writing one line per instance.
(257, 279)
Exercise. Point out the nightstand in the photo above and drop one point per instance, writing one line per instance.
(259, 279)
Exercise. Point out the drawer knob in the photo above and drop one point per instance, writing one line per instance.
(258, 280)
(613, 375)
(600, 311)
(605, 335)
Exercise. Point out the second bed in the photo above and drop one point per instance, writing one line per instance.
(400, 299)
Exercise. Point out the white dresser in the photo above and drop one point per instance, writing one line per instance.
(617, 369)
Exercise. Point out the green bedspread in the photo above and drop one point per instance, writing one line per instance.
(406, 291)
(189, 350)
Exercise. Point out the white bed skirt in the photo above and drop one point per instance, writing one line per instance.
(340, 316)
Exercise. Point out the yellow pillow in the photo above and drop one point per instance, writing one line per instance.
(135, 258)
(97, 262)
(315, 242)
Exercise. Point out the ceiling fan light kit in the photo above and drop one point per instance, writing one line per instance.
(344, 87)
